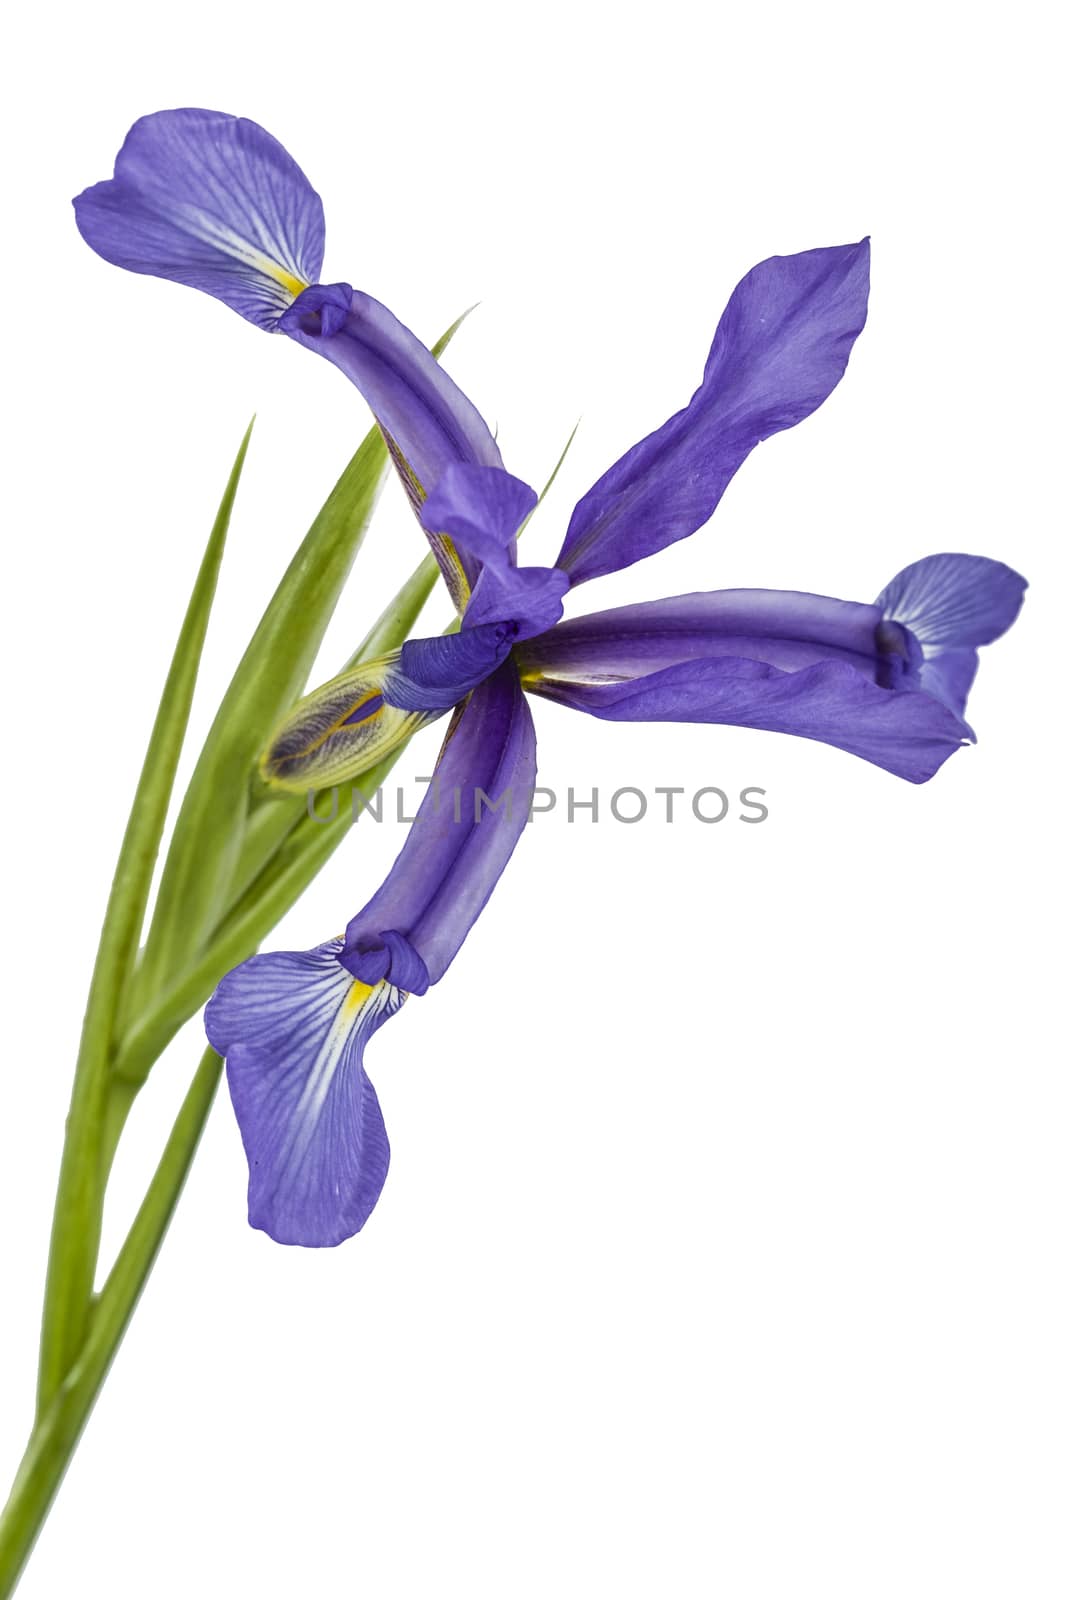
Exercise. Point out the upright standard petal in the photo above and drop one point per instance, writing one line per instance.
(427, 420)
(780, 348)
(292, 1027)
(460, 843)
(954, 601)
(212, 201)
(951, 604)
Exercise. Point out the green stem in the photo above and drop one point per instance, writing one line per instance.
(80, 1195)
(59, 1426)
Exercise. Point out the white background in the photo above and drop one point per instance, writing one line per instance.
(722, 1250)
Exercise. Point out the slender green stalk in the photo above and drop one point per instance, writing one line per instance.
(59, 1426)
(79, 1199)
(207, 835)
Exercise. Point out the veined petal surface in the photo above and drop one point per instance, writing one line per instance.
(292, 1027)
(781, 347)
(951, 603)
(212, 201)
(954, 601)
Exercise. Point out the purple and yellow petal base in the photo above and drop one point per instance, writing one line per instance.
(292, 1027)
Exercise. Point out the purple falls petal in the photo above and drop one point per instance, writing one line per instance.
(781, 347)
(428, 422)
(212, 201)
(954, 601)
(292, 1027)
(467, 826)
(906, 731)
(950, 604)
(949, 674)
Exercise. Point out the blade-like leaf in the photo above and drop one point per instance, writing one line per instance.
(59, 1426)
(79, 1200)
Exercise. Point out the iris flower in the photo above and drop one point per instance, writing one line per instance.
(214, 202)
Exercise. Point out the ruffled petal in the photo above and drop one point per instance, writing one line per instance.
(212, 201)
(461, 841)
(428, 422)
(529, 597)
(781, 347)
(954, 601)
(292, 1027)
(906, 731)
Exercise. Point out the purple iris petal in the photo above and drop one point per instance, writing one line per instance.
(428, 422)
(466, 829)
(780, 348)
(292, 1027)
(530, 597)
(953, 601)
(906, 732)
(786, 629)
(435, 674)
(949, 674)
(211, 201)
(481, 509)
(791, 663)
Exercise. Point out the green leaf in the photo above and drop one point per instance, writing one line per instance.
(59, 1425)
(79, 1200)
(269, 677)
